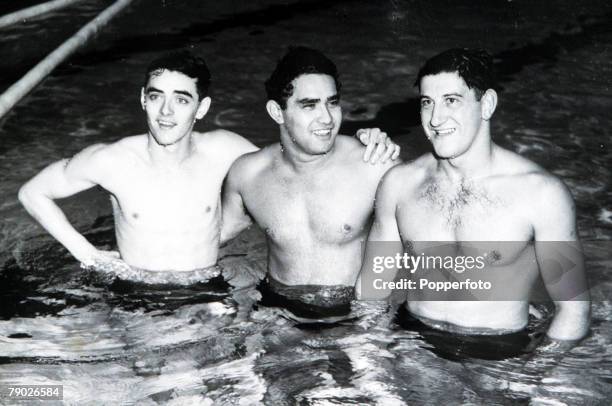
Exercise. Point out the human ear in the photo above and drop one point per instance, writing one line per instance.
(203, 107)
(488, 104)
(275, 111)
(143, 102)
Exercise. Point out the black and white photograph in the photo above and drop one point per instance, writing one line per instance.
(305, 202)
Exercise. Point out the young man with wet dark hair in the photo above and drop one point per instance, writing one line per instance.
(474, 66)
(311, 193)
(470, 189)
(165, 185)
(298, 61)
(185, 62)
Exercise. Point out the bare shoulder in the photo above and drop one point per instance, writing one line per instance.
(404, 179)
(111, 153)
(412, 172)
(533, 179)
(545, 194)
(223, 143)
(349, 147)
(99, 163)
(351, 150)
(546, 191)
(251, 164)
(511, 162)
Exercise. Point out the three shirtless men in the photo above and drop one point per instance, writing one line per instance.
(311, 193)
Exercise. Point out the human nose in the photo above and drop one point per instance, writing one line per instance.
(167, 108)
(438, 116)
(325, 116)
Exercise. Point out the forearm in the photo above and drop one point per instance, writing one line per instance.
(571, 320)
(51, 217)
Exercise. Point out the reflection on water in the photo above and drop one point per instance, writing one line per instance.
(115, 342)
(207, 344)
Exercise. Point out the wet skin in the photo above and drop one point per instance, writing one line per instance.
(311, 193)
(470, 190)
(165, 185)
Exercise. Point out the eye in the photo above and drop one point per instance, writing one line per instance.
(426, 103)
(153, 96)
(334, 103)
(451, 100)
(308, 106)
(182, 100)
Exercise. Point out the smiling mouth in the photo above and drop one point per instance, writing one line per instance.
(166, 124)
(445, 131)
(323, 133)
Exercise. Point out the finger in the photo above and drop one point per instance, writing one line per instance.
(378, 141)
(380, 149)
(389, 150)
(368, 152)
(373, 133)
(396, 153)
(363, 136)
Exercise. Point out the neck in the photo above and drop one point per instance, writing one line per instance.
(173, 154)
(300, 160)
(476, 162)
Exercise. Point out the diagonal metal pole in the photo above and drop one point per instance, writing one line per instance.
(24, 85)
(34, 11)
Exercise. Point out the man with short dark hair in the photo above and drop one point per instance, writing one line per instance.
(471, 190)
(165, 185)
(310, 193)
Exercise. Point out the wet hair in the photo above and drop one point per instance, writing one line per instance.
(474, 66)
(183, 62)
(298, 61)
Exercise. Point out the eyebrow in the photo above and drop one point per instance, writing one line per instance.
(152, 89)
(444, 95)
(306, 100)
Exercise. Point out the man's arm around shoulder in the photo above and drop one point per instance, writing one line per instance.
(235, 217)
(229, 143)
(560, 259)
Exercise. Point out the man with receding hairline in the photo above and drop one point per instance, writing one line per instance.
(470, 189)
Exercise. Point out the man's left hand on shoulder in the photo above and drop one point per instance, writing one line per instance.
(379, 147)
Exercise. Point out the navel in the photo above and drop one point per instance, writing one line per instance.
(135, 215)
(208, 208)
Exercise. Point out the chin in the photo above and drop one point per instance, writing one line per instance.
(167, 139)
(446, 151)
(163, 142)
(322, 149)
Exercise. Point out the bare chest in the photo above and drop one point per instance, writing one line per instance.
(465, 213)
(330, 211)
(151, 199)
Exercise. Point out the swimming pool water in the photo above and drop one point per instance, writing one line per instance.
(112, 343)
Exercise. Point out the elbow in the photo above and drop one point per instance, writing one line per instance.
(28, 196)
(25, 195)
